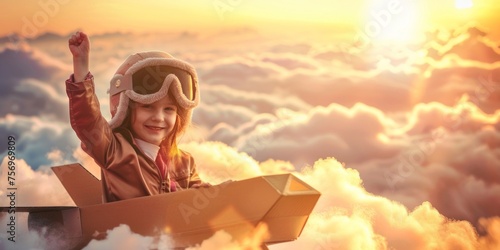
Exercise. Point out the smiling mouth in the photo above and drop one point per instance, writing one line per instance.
(154, 127)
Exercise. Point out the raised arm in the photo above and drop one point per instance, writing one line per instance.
(85, 115)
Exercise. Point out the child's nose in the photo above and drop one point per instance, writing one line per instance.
(158, 115)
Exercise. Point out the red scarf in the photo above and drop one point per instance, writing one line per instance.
(162, 165)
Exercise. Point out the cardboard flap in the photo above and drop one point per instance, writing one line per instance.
(81, 185)
(289, 184)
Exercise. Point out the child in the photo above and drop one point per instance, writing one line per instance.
(151, 99)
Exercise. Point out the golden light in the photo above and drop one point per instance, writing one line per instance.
(391, 22)
(463, 4)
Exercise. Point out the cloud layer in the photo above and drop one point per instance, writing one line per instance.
(345, 217)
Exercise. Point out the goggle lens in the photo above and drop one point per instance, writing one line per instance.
(149, 80)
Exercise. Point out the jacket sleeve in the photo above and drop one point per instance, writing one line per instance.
(86, 119)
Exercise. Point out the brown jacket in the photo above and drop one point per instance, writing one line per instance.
(126, 172)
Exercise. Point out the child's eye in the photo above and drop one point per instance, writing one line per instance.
(169, 109)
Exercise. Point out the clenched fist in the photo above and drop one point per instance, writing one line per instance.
(79, 44)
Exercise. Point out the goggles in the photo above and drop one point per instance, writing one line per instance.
(152, 79)
(148, 77)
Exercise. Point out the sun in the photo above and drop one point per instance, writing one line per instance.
(463, 4)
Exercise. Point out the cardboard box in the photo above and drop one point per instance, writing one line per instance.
(281, 202)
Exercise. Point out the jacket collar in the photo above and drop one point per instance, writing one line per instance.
(149, 149)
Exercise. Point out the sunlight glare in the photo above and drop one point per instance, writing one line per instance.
(389, 22)
(463, 4)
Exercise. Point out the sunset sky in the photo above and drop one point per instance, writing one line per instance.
(390, 108)
(63, 16)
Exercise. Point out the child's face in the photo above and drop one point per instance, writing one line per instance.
(154, 122)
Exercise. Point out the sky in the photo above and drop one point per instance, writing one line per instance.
(34, 17)
(389, 108)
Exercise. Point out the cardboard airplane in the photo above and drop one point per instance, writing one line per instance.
(282, 202)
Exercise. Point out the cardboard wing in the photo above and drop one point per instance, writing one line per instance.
(81, 185)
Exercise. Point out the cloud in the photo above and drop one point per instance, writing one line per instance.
(345, 217)
(217, 162)
(296, 48)
(29, 84)
(469, 43)
(392, 79)
(33, 93)
(26, 62)
(35, 138)
(452, 151)
(233, 135)
(24, 239)
(255, 101)
(226, 113)
(316, 84)
(223, 240)
(35, 188)
(290, 61)
(446, 155)
(211, 115)
(122, 237)
(348, 217)
(349, 134)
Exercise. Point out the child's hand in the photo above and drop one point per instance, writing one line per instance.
(203, 184)
(79, 45)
